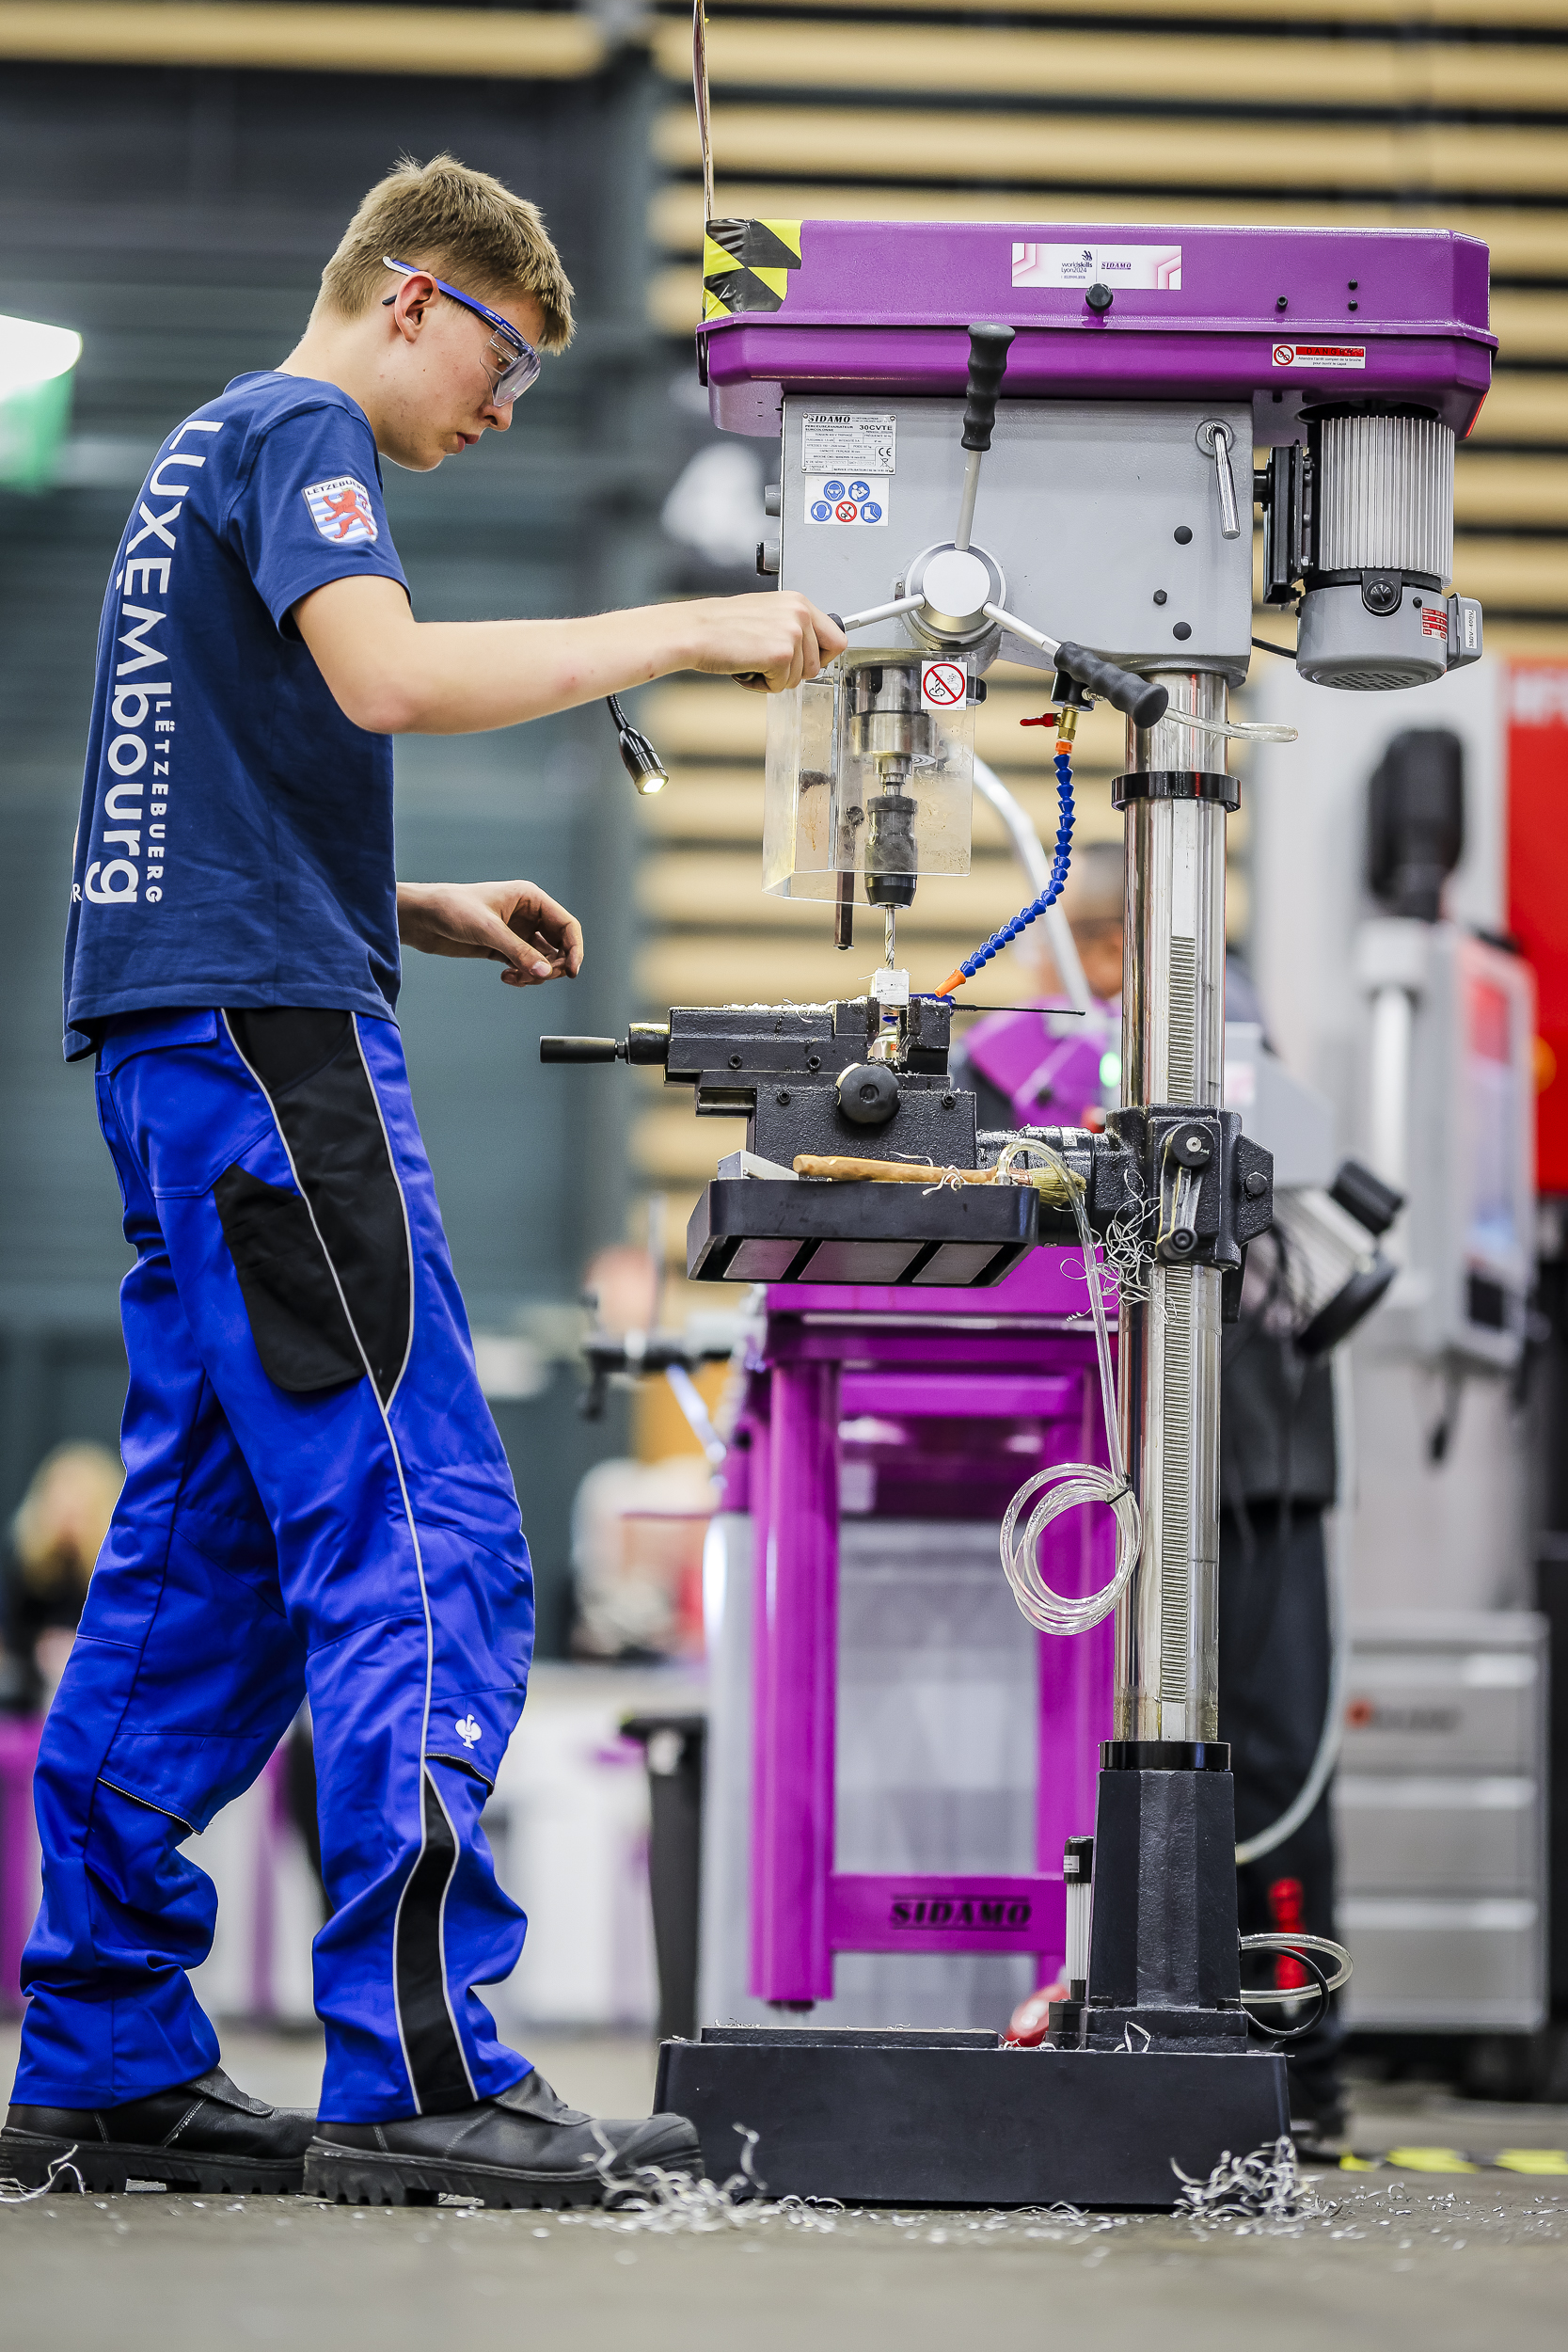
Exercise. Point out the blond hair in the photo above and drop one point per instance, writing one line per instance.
(459, 225)
(65, 1514)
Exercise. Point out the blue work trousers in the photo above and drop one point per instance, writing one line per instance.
(316, 1502)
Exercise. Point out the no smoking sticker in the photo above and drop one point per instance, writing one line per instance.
(944, 685)
(1320, 354)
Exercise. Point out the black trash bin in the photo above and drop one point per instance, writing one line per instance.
(673, 1747)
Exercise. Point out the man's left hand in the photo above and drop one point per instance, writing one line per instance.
(512, 923)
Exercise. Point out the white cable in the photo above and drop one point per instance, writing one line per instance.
(1253, 1848)
(698, 89)
(1243, 730)
(1286, 1941)
(1065, 1485)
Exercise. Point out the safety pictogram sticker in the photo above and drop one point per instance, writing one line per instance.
(837, 497)
(942, 685)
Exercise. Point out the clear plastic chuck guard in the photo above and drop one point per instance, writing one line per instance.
(1062, 1485)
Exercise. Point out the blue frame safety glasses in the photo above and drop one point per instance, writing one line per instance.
(519, 363)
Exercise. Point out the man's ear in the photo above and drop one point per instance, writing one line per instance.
(410, 305)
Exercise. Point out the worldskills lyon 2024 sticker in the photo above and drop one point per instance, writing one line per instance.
(341, 510)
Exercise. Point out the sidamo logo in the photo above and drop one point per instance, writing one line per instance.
(999, 1912)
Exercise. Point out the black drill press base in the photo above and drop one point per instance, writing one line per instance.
(910, 2118)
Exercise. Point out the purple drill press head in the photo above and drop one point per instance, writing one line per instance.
(1283, 316)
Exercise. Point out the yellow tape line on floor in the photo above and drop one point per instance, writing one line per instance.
(1552, 2160)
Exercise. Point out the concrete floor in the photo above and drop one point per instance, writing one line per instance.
(1435, 2260)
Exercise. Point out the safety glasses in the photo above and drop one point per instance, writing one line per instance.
(516, 363)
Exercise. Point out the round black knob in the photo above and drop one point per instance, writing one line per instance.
(1099, 299)
(1256, 1184)
(867, 1093)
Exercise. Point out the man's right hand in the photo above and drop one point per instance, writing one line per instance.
(768, 642)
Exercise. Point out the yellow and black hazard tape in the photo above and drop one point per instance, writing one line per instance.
(1535, 2160)
(746, 265)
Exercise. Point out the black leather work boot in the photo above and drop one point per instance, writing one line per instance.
(524, 2148)
(205, 2134)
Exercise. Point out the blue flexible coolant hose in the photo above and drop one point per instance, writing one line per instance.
(1053, 888)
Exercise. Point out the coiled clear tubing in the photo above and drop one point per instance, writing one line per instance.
(1062, 1485)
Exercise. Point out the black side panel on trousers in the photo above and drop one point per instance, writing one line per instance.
(435, 2058)
(302, 1334)
(309, 1063)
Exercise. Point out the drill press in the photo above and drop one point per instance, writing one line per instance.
(956, 490)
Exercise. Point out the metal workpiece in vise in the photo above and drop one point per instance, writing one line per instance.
(804, 1077)
(840, 1083)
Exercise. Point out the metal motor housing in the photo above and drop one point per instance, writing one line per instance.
(1371, 525)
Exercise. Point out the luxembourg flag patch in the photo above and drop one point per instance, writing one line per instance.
(341, 511)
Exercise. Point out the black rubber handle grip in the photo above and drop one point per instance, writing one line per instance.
(988, 362)
(1141, 698)
(580, 1049)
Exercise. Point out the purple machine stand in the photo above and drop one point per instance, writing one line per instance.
(994, 1368)
(892, 2115)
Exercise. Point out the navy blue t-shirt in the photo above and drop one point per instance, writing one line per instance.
(235, 843)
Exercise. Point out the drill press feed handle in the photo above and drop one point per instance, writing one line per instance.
(1142, 700)
(987, 360)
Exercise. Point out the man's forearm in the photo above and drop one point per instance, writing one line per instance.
(395, 675)
(458, 677)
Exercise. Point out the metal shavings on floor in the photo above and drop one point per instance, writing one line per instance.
(1261, 2190)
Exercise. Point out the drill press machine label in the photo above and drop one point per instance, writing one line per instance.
(1148, 268)
(846, 441)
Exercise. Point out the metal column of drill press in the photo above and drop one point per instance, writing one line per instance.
(1163, 1955)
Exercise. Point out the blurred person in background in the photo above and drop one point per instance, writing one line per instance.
(56, 1537)
(1278, 1476)
(316, 1494)
(638, 1526)
(1048, 1066)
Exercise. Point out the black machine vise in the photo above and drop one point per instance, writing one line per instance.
(837, 1081)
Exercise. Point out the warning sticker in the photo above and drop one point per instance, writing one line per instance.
(1320, 354)
(835, 442)
(846, 498)
(1150, 268)
(944, 685)
(746, 265)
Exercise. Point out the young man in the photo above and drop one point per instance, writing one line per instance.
(316, 1498)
